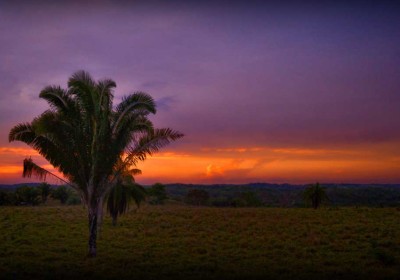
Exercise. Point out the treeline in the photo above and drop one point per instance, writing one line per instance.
(285, 195)
(251, 195)
(38, 194)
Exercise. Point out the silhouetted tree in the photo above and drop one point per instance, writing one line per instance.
(26, 195)
(157, 194)
(315, 195)
(7, 198)
(61, 193)
(3, 198)
(119, 199)
(123, 193)
(45, 190)
(84, 136)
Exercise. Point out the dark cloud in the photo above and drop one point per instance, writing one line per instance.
(166, 103)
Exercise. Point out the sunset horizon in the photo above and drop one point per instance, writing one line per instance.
(264, 92)
(182, 139)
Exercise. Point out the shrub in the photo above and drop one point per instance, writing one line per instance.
(157, 194)
(61, 193)
(197, 197)
(26, 195)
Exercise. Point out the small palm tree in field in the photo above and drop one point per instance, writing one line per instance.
(125, 190)
(91, 142)
(315, 195)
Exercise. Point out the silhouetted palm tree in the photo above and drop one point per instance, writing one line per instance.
(125, 190)
(85, 138)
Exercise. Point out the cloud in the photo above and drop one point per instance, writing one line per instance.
(165, 103)
(154, 84)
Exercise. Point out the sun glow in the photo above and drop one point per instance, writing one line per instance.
(292, 165)
(247, 164)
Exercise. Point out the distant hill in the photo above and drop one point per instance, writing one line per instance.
(14, 186)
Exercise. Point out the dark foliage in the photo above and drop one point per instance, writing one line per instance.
(157, 194)
(26, 195)
(45, 190)
(315, 195)
(197, 197)
(61, 193)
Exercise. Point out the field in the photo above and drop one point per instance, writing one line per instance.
(182, 242)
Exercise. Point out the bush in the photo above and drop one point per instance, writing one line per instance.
(7, 198)
(73, 199)
(26, 195)
(61, 193)
(247, 199)
(157, 194)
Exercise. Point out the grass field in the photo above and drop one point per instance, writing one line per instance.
(180, 242)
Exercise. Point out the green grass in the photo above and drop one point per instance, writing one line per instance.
(179, 242)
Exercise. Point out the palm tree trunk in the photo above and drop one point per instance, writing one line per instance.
(92, 232)
(100, 216)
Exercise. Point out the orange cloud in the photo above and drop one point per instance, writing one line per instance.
(368, 163)
(11, 159)
(375, 163)
(10, 169)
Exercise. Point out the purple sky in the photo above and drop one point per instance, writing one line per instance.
(227, 75)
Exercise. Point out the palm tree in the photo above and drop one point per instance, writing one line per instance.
(125, 190)
(86, 138)
(120, 196)
(315, 194)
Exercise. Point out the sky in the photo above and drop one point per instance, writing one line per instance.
(264, 91)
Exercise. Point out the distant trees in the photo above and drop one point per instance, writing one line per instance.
(7, 198)
(27, 195)
(60, 193)
(45, 190)
(315, 195)
(197, 197)
(34, 195)
(247, 199)
(157, 194)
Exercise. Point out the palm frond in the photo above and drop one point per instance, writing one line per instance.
(135, 171)
(138, 194)
(83, 86)
(138, 103)
(31, 169)
(105, 89)
(132, 128)
(151, 142)
(81, 80)
(22, 132)
(57, 97)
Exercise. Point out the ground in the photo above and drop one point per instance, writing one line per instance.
(181, 242)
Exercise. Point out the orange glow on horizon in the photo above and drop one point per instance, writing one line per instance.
(363, 164)
(366, 164)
